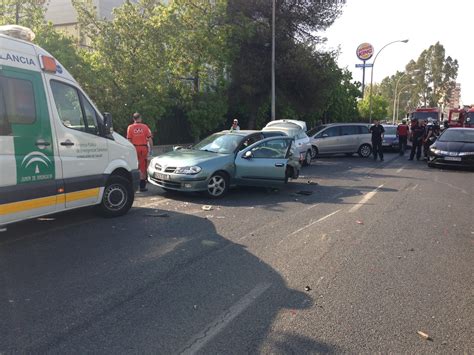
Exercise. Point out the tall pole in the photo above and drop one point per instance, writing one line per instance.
(363, 78)
(395, 97)
(273, 61)
(372, 75)
(398, 96)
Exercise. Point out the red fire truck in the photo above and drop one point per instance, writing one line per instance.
(423, 113)
(461, 117)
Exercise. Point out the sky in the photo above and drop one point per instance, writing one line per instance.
(422, 22)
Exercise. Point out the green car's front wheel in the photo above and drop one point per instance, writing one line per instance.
(218, 185)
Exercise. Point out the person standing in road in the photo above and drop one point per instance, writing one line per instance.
(377, 131)
(417, 139)
(139, 134)
(402, 134)
(235, 125)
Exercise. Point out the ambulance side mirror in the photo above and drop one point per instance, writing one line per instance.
(108, 124)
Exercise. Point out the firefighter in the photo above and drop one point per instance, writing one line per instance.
(139, 134)
(417, 139)
(402, 134)
(428, 137)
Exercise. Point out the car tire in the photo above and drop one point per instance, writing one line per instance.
(218, 185)
(307, 158)
(314, 152)
(364, 151)
(117, 198)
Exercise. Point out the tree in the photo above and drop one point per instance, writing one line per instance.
(434, 77)
(300, 86)
(379, 105)
(29, 13)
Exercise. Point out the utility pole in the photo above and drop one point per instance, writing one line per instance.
(273, 61)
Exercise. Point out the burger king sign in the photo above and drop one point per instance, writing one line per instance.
(365, 51)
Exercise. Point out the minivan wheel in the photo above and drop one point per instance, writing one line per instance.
(307, 158)
(365, 150)
(314, 152)
(117, 198)
(218, 185)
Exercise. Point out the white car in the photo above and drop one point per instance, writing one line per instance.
(297, 130)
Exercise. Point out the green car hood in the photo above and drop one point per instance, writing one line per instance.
(188, 157)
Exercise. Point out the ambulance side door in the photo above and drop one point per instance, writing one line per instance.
(82, 147)
(28, 185)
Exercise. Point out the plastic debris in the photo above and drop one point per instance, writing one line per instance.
(424, 335)
(195, 307)
(150, 235)
(359, 222)
(307, 288)
(206, 208)
(310, 182)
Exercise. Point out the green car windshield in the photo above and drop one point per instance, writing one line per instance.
(222, 143)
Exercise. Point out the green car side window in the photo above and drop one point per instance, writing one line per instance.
(274, 149)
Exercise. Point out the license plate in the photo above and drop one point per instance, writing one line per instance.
(453, 158)
(162, 176)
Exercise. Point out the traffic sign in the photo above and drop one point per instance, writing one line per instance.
(368, 65)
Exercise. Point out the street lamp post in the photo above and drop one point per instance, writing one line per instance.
(273, 61)
(395, 93)
(398, 96)
(395, 97)
(372, 75)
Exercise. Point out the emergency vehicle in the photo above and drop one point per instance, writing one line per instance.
(423, 113)
(57, 151)
(461, 117)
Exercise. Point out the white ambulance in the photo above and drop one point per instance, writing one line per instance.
(57, 151)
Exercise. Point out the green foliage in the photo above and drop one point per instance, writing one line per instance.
(379, 107)
(29, 13)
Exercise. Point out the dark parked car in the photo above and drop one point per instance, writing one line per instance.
(454, 147)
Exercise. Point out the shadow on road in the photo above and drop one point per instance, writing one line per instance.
(143, 283)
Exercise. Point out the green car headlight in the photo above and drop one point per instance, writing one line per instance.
(188, 170)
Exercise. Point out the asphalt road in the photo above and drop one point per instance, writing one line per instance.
(374, 253)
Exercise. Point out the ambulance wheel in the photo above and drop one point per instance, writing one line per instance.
(117, 198)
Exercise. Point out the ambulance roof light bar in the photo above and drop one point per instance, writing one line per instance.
(18, 31)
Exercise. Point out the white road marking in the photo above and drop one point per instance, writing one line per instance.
(309, 225)
(365, 199)
(150, 204)
(400, 170)
(217, 325)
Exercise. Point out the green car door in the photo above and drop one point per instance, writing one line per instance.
(263, 163)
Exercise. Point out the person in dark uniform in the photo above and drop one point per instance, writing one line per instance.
(377, 131)
(417, 139)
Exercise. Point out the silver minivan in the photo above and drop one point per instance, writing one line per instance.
(341, 138)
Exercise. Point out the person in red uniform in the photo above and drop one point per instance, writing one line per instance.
(402, 134)
(140, 135)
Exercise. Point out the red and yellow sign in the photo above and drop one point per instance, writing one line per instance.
(365, 51)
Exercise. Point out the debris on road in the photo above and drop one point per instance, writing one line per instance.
(311, 182)
(206, 208)
(359, 222)
(424, 335)
(307, 288)
(305, 193)
(45, 219)
(195, 307)
(411, 249)
(4, 229)
(158, 215)
(150, 236)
